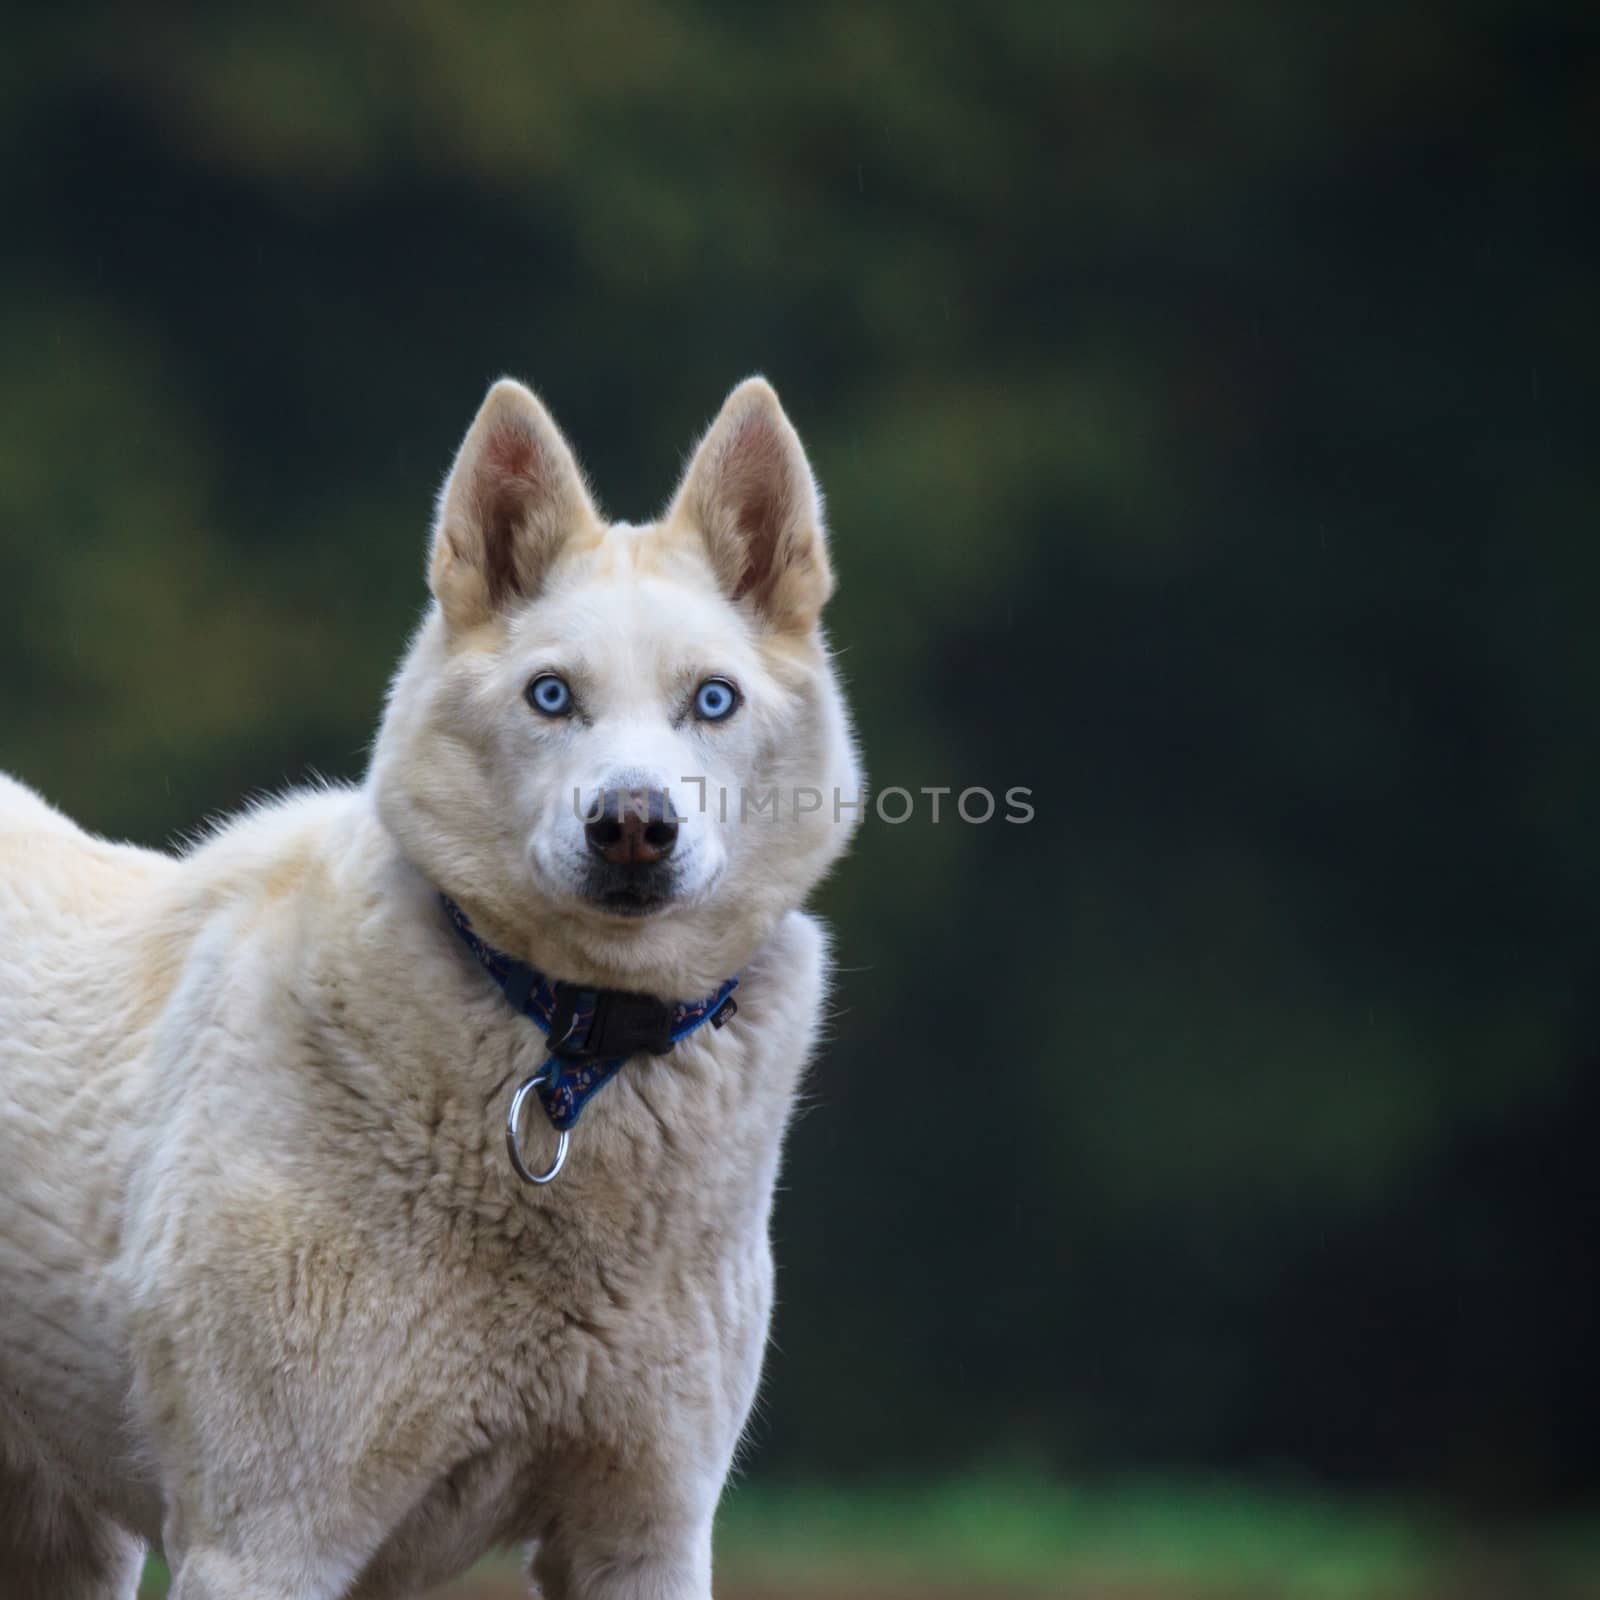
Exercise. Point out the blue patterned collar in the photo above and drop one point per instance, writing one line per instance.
(592, 1032)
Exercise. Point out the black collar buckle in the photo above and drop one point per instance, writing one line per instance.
(604, 1024)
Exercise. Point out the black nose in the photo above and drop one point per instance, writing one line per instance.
(632, 827)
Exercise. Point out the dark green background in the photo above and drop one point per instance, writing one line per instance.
(1204, 397)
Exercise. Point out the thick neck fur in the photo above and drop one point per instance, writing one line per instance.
(419, 1101)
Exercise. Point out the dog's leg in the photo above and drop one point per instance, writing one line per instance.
(53, 1549)
(212, 1574)
(596, 1564)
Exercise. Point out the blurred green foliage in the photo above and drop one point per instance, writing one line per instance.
(1204, 400)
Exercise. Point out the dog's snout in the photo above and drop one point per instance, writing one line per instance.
(632, 827)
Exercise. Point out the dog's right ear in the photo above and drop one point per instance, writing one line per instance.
(512, 500)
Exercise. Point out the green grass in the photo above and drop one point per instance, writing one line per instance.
(1016, 1531)
(1157, 1538)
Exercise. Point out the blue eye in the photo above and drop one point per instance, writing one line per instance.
(715, 700)
(550, 694)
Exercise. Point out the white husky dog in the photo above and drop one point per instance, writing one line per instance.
(273, 1294)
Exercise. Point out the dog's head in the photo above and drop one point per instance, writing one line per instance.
(622, 749)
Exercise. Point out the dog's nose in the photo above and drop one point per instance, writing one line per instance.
(633, 827)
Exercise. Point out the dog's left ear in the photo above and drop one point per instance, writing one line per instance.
(749, 494)
(513, 499)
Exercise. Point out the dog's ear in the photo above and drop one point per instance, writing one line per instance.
(749, 494)
(512, 500)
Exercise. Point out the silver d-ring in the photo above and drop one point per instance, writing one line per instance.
(513, 1143)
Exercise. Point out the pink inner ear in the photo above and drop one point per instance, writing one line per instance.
(513, 453)
(510, 478)
(757, 468)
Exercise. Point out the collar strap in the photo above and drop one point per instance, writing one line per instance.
(592, 1032)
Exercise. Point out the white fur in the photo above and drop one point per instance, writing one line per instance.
(270, 1294)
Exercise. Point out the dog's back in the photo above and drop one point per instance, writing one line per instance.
(56, 881)
(67, 908)
(65, 899)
